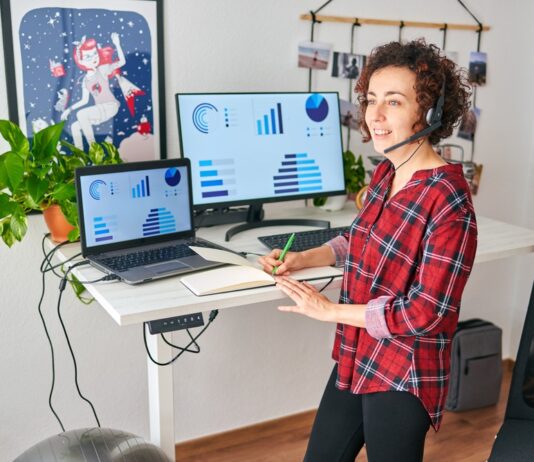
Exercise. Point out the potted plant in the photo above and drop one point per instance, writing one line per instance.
(37, 176)
(354, 182)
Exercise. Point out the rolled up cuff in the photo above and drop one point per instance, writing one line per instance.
(339, 246)
(375, 321)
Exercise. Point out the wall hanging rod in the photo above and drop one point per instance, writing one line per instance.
(387, 22)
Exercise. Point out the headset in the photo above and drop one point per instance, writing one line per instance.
(433, 119)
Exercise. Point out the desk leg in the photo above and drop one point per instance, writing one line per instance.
(160, 396)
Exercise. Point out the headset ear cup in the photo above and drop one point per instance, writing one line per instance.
(429, 115)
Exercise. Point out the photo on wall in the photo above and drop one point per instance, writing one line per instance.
(348, 113)
(314, 55)
(468, 126)
(97, 68)
(477, 67)
(347, 65)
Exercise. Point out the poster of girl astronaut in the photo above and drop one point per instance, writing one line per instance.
(92, 64)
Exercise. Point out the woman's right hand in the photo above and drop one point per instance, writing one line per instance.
(292, 261)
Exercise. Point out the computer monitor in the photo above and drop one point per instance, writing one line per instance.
(253, 148)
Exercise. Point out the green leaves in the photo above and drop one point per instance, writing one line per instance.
(113, 156)
(36, 188)
(354, 172)
(37, 174)
(14, 136)
(14, 227)
(63, 192)
(96, 154)
(70, 211)
(6, 206)
(45, 142)
(18, 224)
(11, 171)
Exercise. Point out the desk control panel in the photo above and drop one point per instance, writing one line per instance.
(185, 321)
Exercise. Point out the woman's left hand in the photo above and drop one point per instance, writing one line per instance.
(309, 301)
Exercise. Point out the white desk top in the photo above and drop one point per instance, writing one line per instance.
(164, 298)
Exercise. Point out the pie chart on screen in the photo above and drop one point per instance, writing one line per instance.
(172, 176)
(317, 107)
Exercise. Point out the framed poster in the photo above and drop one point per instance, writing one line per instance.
(96, 64)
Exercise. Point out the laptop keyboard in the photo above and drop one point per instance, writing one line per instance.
(304, 240)
(127, 261)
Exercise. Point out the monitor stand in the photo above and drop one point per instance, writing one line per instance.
(255, 220)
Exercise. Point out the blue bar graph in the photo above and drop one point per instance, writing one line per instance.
(295, 178)
(271, 123)
(208, 173)
(214, 193)
(211, 183)
(217, 176)
(141, 189)
(159, 221)
(101, 230)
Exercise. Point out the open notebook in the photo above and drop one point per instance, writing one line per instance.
(242, 274)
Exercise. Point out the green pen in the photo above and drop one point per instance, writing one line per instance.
(288, 245)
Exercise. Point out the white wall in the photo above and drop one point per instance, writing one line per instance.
(256, 363)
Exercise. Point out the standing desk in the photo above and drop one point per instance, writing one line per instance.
(165, 298)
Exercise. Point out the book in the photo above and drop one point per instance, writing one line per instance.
(241, 274)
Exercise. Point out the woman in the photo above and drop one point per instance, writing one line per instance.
(406, 262)
(91, 59)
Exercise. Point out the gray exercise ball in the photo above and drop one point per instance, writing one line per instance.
(93, 445)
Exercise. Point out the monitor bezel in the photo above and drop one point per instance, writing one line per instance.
(259, 201)
(131, 166)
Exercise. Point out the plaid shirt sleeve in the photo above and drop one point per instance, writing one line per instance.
(447, 258)
(339, 246)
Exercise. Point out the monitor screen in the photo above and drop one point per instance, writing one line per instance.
(261, 147)
(133, 201)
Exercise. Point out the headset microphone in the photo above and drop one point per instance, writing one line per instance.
(433, 118)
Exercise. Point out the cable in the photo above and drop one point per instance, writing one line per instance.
(51, 352)
(327, 284)
(213, 315)
(61, 289)
(45, 267)
(411, 155)
(46, 264)
(197, 350)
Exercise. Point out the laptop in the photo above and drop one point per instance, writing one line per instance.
(136, 220)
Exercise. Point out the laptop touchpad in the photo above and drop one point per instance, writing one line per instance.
(166, 266)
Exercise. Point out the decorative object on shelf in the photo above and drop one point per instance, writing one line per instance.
(36, 175)
(97, 67)
(354, 181)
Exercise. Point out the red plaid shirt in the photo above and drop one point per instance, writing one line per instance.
(408, 260)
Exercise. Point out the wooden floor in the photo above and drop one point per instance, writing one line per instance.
(464, 437)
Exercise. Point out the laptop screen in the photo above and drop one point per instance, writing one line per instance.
(125, 203)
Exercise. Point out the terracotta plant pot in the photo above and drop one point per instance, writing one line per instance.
(57, 223)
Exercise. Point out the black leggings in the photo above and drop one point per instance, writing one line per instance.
(395, 424)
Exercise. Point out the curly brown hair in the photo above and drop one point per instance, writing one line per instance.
(430, 68)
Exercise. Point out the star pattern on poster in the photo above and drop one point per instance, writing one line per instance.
(53, 81)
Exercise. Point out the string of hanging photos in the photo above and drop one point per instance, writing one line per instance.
(478, 28)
